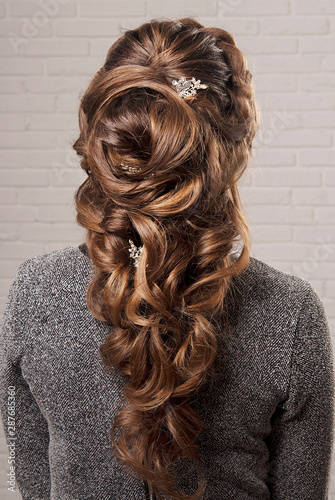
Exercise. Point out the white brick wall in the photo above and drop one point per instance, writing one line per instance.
(49, 49)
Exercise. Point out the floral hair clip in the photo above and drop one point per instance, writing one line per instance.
(135, 252)
(187, 88)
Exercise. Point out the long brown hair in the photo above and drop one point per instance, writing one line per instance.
(163, 173)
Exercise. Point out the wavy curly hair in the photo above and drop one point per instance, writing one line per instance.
(178, 199)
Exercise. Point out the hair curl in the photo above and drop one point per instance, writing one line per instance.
(183, 206)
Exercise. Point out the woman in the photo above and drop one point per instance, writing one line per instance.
(158, 359)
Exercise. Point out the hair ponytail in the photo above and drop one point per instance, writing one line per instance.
(178, 199)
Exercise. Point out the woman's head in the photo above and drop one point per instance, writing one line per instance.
(132, 115)
(162, 173)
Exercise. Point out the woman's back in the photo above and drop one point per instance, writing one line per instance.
(267, 414)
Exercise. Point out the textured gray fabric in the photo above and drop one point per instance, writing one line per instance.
(268, 415)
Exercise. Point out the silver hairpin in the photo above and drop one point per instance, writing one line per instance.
(187, 88)
(135, 252)
(134, 170)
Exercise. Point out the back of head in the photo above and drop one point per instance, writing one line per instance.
(162, 172)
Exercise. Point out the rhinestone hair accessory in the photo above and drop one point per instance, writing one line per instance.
(133, 170)
(135, 252)
(187, 88)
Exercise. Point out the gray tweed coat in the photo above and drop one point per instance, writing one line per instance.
(268, 415)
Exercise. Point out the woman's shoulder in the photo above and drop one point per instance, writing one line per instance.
(257, 284)
(44, 281)
(263, 283)
(62, 265)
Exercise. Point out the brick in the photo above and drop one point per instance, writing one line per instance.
(67, 103)
(67, 137)
(235, 26)
(23, 103)
(20, 250)
(309, 268)
(9, 231)
(319, 7)
(23, 28)
(328, 63)
(295, 25)
(313, 269)
(54, 213)
(277, 119)
(51, 9)
(305, 138)
(3, 300)
(131, 22)
(6, 48)
(269, 45)
(177, 9)
(43, 158)
(321, 82)
(4, 285)
(66, 177)
(24, 177)
(20, 66)
(55, 85)
(8, 269)
(275, 83)
(48, 121)
(319, 119)
(100, 46)
(325, 215)
(321, 235)
(19, 42)
(271, 233)
(260, 196)
(28, 139)
(317, 157)
(40, 232)
(84, 66)
(329, 177)
(276, 157)
(52, 196)
(282, 250)
(54, 48)
(10, 85)
(311, 196)
(17, 213)
(252, 8)
(318, 43)
(330, 289)
(288, 64)
(84, 29)
(12, 121)
(280, 215)
(8, 196)
(13, 158)
(117, 8)
(301, 102)
(290, 177)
